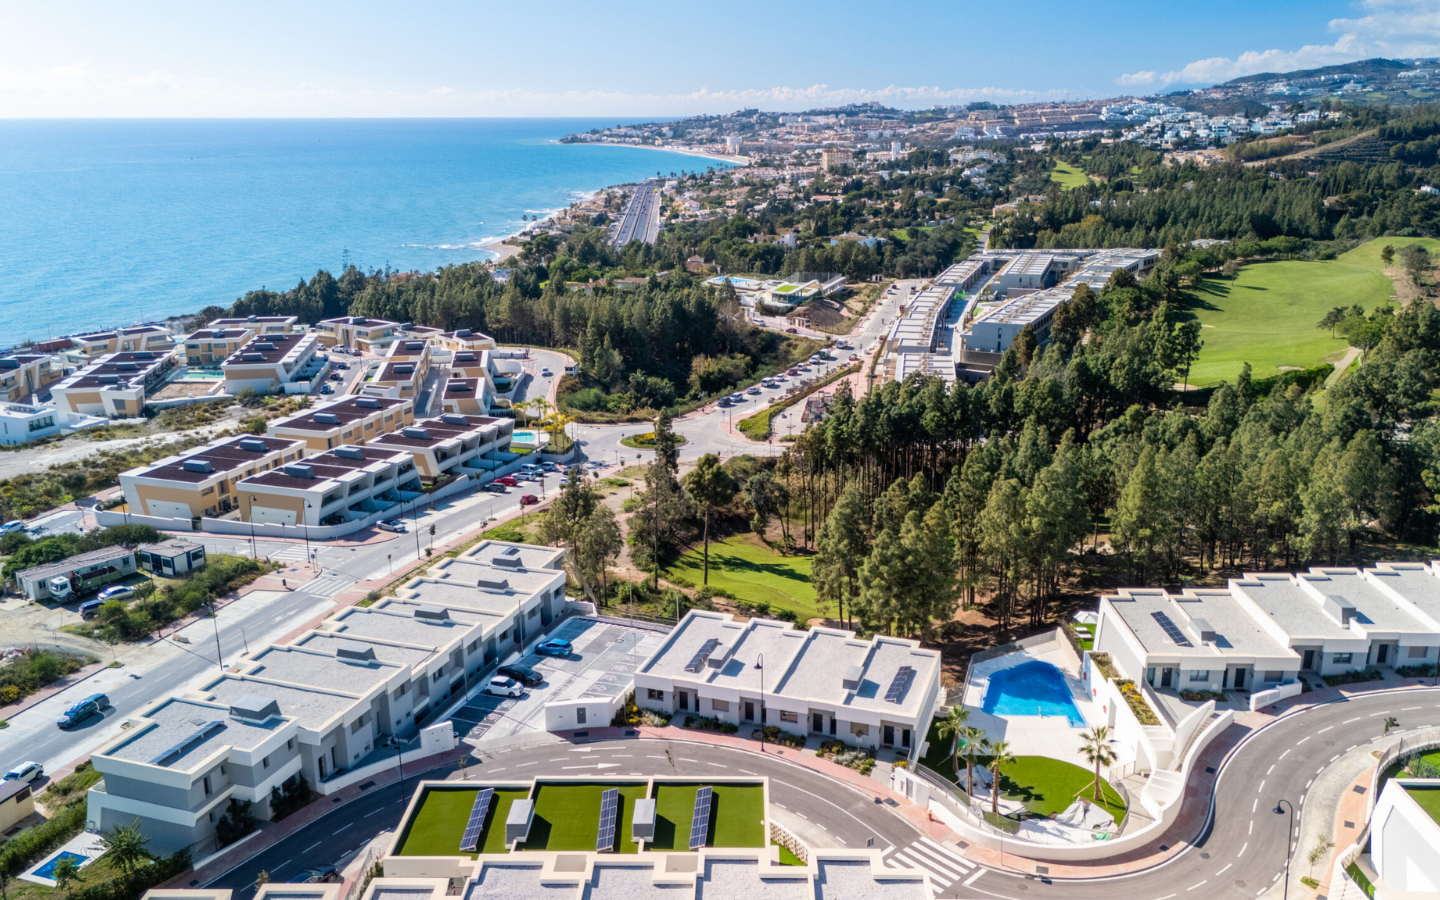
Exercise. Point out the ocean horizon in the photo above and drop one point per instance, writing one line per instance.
(111, 222)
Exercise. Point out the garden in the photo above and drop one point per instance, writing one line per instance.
(743, 566)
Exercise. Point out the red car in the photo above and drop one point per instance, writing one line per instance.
(506, 480)
(529, 499)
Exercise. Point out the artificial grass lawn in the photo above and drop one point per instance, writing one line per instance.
(567, 817)
(1046, 786)
(787, 858)
(1068, 176)
(1266, 315)
(752, 572)
(736, 816)
(440, 822)
(1087, 641)
(1428, 799)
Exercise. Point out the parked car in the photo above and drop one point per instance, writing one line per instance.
(792, 331)
(529, 499)
(545, 372)
(737, 397)
(554, 647)
(523, 674)
(854, 358)
(752, 390)
(336, 376)
(117, 592)
(391, 526)
(549, 467)
(723, 402)
(12, 525)
(26, 771)
(342, 365)
(89, 608)
(500, 686)
(326, 389)
(91, 705)
(507, 481)
(316, 875)
(792, 372)
(495, 487)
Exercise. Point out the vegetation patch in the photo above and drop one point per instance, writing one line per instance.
(33, 669)
(439, 823)
(646, 441)
(174, 599)
(567, 816)
(1068, 176)
(745, 568)
(1137, 702)
(711, 723)
(759, 426)
(1357, 677)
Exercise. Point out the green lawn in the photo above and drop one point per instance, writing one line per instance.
(754, 573)
(1267, 315)
(736, 816)
(1068, 176)
(1046, 786)
(439, 823)
(1428, 799)
(1085, 634)
(787, 858)
(567, 816)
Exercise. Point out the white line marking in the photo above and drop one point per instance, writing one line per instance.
(657, 757)
(1222, 871)
(1308, 783)
(621, 755)
(1242, 849)
(369, 814)
(501, 769)
(1261, 787)
(1323, 730)
(1302, 803)
(748, 772)
(1286, 753)
(1252, 827)
(802, 815)
(944, 851)
(523, 765)
(311, 847)
(1373, 715)
(683, 759)
(1269, 770)
(1408, 708)
(717, 765)
(1256, 805)
(342, 828)
(782, 806)
(1301, 741)
(922, 861)
(971, 880)
(1194, 886)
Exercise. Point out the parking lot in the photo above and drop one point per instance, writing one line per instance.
(605, 658)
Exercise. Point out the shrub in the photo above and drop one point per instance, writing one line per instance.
(1352, 677)
(137, 620)
(1137, 703)
(1403, 671)
(1106, 667)
(857, 758)
(710, 723)
(651, 718)
(132, 885)
(237, 822)
(775, 735)
(1202, 695)
(287, 797)
(33, 669)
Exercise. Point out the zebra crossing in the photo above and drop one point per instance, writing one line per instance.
(294, 552)
(946, 867)
(327, 584)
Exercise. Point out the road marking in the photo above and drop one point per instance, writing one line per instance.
(369, 814)
(683, 759)
(1335, 757)
(1256, 805)
(748, 772)
(802, 815)
(1348, 721)
(1222, 871)
(1286, 753)
(971, 880)
(501, 769)
(1276, 878)
(523, 765)
(1252, 827)
(949, 855)
(782, 806)
(1166, 897)
(717, 765)
(1301, 741)
(581, 750)
(1261, 787)
(1308, 783)
(342, 828)
(1194, 886)
(657, 757)
(1408, 708)
(311, 847)
(282, 865)
(1242, 849)
(1302, 803)
(1323, 730)
(1269, 770)
(1380, 713)
(621, 755)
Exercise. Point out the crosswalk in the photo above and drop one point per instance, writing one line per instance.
(295, 552)
(945, 866)
(327, 584)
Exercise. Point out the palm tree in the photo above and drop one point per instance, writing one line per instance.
(1000, 755)
(949, 728)
(126, 846)
(974, 745)
(1095, 747)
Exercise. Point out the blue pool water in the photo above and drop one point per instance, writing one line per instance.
(1031, 689)
(48, 870)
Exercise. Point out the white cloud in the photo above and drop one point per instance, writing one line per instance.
(1391, 28)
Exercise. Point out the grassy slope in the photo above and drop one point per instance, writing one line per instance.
(1068, 176)
(752, 572)
(1266, 316)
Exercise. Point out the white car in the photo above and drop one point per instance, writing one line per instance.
(26, 771)
(500, 686)
(752, 390)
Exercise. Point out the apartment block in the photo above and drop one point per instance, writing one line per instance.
(354, 420)
(402, 376)
(258, 326)
(26, 374)
(212, 346)
(451, 444)
(273, 363)
(151, 338)
(358, 333)
(339, 485)
(203, 481)
(877, 693)
(462, 340)
(114, 386)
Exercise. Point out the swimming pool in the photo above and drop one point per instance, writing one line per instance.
(48, 870)
(524, 437)
(1031, 689)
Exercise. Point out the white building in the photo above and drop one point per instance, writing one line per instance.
(1402, 862)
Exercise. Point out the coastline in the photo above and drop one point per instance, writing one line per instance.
(684, 151)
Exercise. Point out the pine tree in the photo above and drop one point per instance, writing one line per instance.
(842, 549)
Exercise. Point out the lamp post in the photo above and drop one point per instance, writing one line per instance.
(1288, 829)
(305, 520)
(254, 551)
(760, 664)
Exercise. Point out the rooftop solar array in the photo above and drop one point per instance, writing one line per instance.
(697, 662)
(898, 685)
(609, 812)
(700, 822)
(1172, 631)
(471, 839)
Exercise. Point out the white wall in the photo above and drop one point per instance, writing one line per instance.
(1403, 839)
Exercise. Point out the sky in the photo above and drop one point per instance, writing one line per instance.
(356, 58)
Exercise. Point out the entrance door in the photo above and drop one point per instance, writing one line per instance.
(1240, 679)
(889, 736)
(684, 699)
(1165, 677)
(817, 722)
(1382, 652)
(832, 727)
(1225, 679)
(1309, 662)
(905, 738)
(749, 711)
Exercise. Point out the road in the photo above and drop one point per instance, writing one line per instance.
(640, 220)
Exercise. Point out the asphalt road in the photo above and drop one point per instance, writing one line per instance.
(640, 220)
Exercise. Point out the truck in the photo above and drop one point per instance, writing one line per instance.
(64, 589)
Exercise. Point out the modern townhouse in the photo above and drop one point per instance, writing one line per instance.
(334, 701)
(877, 693)
(358, 333)
(465, 396)
(152, 338)
(353, 420)
(20, 423)
(339, 485)
(212, 346)
(26, 374)
(273, 363)
(452, 444)
(258, 326)
(402, 375)
(203, 481)
(349, 421)
(115, 386)
(463, 339)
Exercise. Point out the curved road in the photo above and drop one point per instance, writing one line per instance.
(1241, 855)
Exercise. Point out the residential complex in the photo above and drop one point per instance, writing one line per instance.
(353, 420)
(329, 704)
(20, 423)
(452, 444)
(358, 333)
(212, 346)
(258, 325)
(330, 488)
(402, 375)
(203, 481)
(26, 374)
(151, 338)
(282, 362)
(114, 386)
(876, 693)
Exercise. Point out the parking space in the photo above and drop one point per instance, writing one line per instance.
(603, 665)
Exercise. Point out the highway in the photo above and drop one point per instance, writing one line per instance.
(640, 220)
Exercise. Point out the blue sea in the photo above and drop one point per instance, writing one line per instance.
(114, 222)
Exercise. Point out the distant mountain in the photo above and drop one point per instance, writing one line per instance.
(1365, 68)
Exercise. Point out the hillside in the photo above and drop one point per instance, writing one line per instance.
(1365, 68)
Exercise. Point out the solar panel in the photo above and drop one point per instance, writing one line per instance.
(1172, 631)
(898, 685)
(471, 838)
(697, 662)
(609, 812)
(700, 822)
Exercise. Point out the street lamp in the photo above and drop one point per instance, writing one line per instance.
(1288, 829)
(254, 551)
(305, 520)
(760, 664)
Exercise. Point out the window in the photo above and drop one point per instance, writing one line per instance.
(654, 694)
(1342, 659)
(290, 744)
(788, 716)
(474, 645)
(580, 715)
(1418, 652)
(356, 725)
(859, 729)
(1274, 676)
(400, 691)
(533, 613)
(1200, 675)
(265, 763)
(206, 782)
(437, 675)
(720, 705)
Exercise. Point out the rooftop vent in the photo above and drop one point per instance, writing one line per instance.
(367, 403)
(357, 320)
(251, 318)
(109, 379)
(457, 386)
(203, 731)
(143, 354)
(416, 432)
(252, 357)
(299, 470)
(463, 332)
(851, 681)
(455, 419)
(510, 551)
(1203, 630)
(433, 613)
(505, 562)
(406, 326)
(255, 708)
(404, 369)
(720, 655)
(348, 451)
(642, 822)
(127, 367)
(1339, 608)
(198, 465)
(517, 823)
(493, 584)
(252, 445)
(466, 356)
(355, 652)
(263, 345)
(414, 346)
(325, 418)
(217, 334)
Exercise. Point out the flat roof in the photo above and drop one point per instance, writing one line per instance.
(359, 322)
(345, 411)
(328, 642)
(1157, 618)
(1417, 582)
(225, 457)
(317, 670)
(170, 547)
(182, 724)
(1296, 612)
(382, 624)
(128, 368)
(309, 707)
(1378, 611)
(270, 348)
(70, 564)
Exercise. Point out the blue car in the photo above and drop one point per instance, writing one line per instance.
(554, 647)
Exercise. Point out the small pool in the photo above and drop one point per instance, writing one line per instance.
(1031, 689)
(525, 437)
(48, 870)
